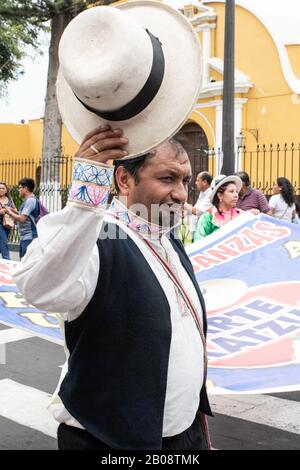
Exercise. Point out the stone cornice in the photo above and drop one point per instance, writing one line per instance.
(205, 27)
(199, 19)
(216, 88)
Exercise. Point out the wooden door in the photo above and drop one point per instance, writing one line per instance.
(195, 142)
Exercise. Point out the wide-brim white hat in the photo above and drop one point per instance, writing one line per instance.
(219, 180)
(111, 65)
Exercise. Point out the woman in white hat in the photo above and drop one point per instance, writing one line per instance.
(224, 198)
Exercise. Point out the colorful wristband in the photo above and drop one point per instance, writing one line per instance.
(91, 183)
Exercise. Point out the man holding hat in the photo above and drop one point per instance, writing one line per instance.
(133, 315)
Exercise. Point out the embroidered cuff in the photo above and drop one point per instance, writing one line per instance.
(91, 182)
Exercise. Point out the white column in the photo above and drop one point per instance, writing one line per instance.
(219, 126)
(205, 29)
(206, 47)
(238, 123)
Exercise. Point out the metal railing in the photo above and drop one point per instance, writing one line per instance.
(265, 164)
(52, 178)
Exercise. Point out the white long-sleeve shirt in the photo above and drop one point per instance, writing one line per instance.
(60, 272)
(202, 205)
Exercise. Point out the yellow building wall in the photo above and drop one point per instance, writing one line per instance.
(272, 107)
(216, 76)
(205, 118)
(23, 141)
(14, 142)
(35, 133)
(69, 146)
(277, 119)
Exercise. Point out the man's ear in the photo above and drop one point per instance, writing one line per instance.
(123, 179)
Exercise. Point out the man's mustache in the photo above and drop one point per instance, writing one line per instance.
(171, 207)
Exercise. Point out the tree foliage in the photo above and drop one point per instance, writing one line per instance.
(20, 24)
(14, 41)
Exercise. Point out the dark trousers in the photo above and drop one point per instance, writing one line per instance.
(71, 438)
(4, 233)
(24, 244)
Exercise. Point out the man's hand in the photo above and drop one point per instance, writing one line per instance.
(188, 208)
(108, 142)
(255, 211)
(11, 210)
(192, 209)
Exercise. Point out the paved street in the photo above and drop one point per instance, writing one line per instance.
(32, 371)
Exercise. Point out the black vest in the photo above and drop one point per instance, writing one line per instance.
(119, 346)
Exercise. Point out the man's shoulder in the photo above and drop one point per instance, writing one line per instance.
(261, 195)
(207, 193)
(257, 193)
(29, 206)
(30, 201)
(251, 191)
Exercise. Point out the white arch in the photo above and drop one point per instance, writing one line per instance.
(208, 123)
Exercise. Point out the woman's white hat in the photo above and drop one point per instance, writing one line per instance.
(219, 180)
(136, 66)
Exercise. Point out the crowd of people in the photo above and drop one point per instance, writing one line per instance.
(220, 200)
(225, 197)
(25, 219)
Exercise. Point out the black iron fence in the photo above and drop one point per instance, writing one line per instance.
(265, 164)
(52, 178)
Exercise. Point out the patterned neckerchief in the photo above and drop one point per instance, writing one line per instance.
(148, 231)
(136, 223)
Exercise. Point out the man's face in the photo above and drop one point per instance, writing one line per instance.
(22, 191)
(162, 188)
(201, 184)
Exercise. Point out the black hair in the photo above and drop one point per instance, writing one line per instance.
(27, 183)
(134, 165)
(221, 190)
(287, 190)
(244, 177)
(205, 176)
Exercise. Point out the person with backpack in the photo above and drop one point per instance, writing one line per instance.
(6, 222)
(28, 214)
